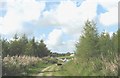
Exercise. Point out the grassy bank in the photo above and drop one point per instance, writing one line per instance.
(96, 67)
(37, 68)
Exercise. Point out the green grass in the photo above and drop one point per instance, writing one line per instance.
(93, 67)
(68, 69)
(57, 71)
(37, 68)
(79, 69)
(52, 70)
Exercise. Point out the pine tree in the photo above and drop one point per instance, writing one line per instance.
(31, 47)
(118, 45)
(15, 36)
(5, 47)
(42, 49)
(105, 44)
(115, 42)
(15, 47)
(23, 42)
(88, 44)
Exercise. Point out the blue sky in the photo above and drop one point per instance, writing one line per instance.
(59, 22)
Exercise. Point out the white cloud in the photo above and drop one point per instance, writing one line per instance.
(70, 46)
(19, 11)
(1, 20)
(66, 46)
(70, 17)
(54, 38)
(71, 20)
(111, 16)
(10, 23)
(108, 4)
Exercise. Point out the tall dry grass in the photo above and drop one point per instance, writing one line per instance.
(17, 65)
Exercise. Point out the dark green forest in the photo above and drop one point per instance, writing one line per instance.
(22, 45)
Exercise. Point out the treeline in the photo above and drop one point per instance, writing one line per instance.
(99, 51)
(55, 54)
(24, 46)
(91, 44)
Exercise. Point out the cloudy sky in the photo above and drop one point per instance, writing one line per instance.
(58, 22)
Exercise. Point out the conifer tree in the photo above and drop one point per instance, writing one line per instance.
(105, 43)
(88, 43)
(42, 49)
